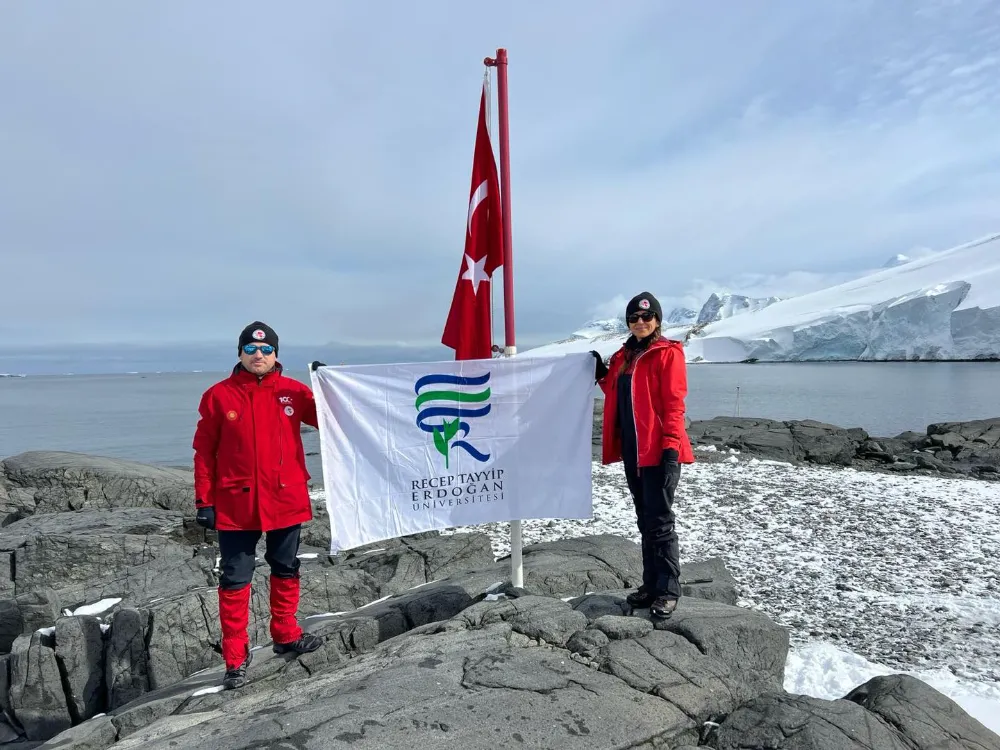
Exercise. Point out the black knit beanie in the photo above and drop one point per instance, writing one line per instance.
(644, 302)
(258, 333)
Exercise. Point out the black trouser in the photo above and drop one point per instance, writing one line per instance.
(238, 552)
(652, 491)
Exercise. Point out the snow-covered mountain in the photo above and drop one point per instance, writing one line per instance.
(720, 307)
(945, 305)
(602, 327)
(680, 315)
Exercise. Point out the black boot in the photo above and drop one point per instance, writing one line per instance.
(662, 608)
(640, 598)
(237, 678)
(307, 643)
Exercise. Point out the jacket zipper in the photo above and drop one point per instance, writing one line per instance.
(635, 423)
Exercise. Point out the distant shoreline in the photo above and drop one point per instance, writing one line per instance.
(292, 372)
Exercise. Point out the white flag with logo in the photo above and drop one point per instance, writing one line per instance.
(415, 447)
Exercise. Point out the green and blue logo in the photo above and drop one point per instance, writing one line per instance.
(443, 411)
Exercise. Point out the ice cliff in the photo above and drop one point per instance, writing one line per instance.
(942, 306)
(945, 306)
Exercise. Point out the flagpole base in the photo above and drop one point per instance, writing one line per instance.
(516, 565)
(509, 351)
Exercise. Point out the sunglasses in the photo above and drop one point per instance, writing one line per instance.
(251, 349)
(644, 316)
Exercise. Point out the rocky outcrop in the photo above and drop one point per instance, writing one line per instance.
(59, 481)
(109, 624)
(534, 671)
(897, 712)
(970, 449)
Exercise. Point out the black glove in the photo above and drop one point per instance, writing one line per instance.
(315, 364)
(206, 517)
(600, 369)
(670, 457)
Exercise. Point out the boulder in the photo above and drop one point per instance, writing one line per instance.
(927, 718)
(37, 698)
(64, 481)
(823, 443)
(779, 721)
(763, 437)
(80, 655)
(986, 431)
(126, 662)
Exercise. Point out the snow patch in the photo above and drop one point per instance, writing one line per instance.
(207, 691)
(93, 609)
(822, 670)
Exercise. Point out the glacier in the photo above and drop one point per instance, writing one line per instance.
(720, 307)
(943, 306)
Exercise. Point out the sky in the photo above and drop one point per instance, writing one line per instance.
(170, 172)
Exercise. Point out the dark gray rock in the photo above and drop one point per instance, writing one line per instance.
(134, 521)
(36, 690)
(617, 627)
(96, 734)
(58, 560)
(126, 659)
(709, 579)
(949, 440)
(136, 585)
(822, 443)
(11, 624)
(400, 564)
(599, 605)
(986, 431)
(478, 680)
(8, 734)
(71, 481)
(574, 567)
(537, 617)
(80, 655)
(742, 638)
(19, 503)
(764, 437)
(588, 642)
(927, 718)
(39, 609)
(798, 722)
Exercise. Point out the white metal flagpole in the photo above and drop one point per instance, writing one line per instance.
(510, 349)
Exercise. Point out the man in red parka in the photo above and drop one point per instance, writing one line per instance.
(251, 479)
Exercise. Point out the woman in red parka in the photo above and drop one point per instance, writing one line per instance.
(251, 479)
(644, 386)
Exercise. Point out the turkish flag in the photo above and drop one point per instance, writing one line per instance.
(468, 330)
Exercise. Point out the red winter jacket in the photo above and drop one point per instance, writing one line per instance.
(659, 386)
(248, 457)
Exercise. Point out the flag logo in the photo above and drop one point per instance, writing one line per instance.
(444, 404)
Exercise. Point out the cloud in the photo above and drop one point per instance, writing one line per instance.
(172, 172)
